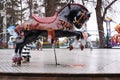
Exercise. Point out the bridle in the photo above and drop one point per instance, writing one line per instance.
(83, 16)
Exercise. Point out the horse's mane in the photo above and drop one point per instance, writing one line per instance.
(72, 4)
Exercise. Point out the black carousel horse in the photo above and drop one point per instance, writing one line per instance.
(60, 25)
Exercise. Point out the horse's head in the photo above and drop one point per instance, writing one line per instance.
(80, 18)
(75, 14)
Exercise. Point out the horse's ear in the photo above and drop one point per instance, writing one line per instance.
(89, 13)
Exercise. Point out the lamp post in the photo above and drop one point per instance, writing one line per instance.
(108, 29)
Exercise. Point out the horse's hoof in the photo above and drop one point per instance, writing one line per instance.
(70, 47)
(81, 47)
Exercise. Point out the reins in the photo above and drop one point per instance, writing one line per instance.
(80, 18)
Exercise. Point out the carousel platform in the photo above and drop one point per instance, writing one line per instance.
(98, 64)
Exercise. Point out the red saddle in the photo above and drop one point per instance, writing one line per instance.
(45, 19)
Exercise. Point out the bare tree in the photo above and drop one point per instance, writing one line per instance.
(101, 9)
(30, 5)
(50, 7)
(1, 17)
(100, 18)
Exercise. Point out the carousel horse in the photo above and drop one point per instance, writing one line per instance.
(62, 24)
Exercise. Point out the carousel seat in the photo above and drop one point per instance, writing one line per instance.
(45, 19)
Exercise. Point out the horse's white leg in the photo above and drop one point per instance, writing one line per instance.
(74, 44)
(82, 44)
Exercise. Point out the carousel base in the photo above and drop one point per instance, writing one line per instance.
(98, 64)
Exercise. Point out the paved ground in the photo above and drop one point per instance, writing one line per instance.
(97, 61)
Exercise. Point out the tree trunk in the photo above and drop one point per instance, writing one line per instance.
(50, 7)
(30, 6)
(21, 11)
(100, 24)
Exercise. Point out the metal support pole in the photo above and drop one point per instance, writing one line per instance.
(55, 53)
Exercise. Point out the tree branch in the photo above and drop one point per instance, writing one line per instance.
(104, 13)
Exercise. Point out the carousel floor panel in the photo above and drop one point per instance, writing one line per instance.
(98, 64)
